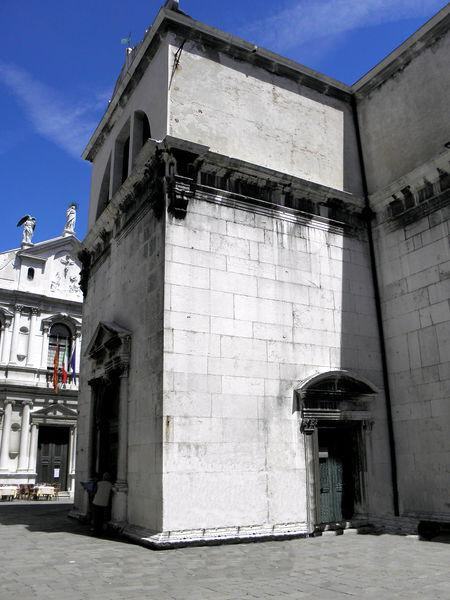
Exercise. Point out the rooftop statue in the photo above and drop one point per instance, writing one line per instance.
(29, 225)
(71, 218)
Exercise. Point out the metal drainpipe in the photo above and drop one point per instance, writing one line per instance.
(387, 393)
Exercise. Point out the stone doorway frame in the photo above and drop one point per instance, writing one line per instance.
(317, 408)
(109, 352)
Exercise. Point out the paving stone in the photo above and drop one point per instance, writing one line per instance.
(45, 553)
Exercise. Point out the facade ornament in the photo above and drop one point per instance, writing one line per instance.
(67, 280)
(308, 426)
(71, 219)
(29, 224)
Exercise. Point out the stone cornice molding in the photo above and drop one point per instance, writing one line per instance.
(45, 303)
(36, 391)
(415, 179)
(397, 60)
(99, 236)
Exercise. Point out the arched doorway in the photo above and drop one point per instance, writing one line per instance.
(335, 418)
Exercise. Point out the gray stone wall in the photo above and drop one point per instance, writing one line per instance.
(405, 115)
(126, 287)
(414, 263)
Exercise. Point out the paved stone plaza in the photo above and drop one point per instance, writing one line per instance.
(45, 554)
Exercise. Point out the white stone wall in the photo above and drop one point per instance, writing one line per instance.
(253, 306)
(242, 111)
(414, 265)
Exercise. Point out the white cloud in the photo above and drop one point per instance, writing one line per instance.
(305, 21)
(65, 123)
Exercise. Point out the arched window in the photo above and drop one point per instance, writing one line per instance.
(121, 157)
(141, 132)
(59, 342)
(103, 197)
(30, 273)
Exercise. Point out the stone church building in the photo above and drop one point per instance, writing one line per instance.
(266, 335)
(40, 325)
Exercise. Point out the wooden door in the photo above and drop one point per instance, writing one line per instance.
(106, 430)
(52, 459)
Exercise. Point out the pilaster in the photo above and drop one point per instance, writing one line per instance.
(121, 485)
(35, 312)
(15, 333)
(4, 448)
(44, 348)
(5, 341)
(24, 437)
(33, 448)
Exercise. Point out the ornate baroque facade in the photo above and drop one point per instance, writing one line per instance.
(266, 331)
(40, 317)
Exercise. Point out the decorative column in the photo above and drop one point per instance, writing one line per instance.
(72, 455)
(121, 485)
(15, 333)
(4, 447)
(1, 426)
(24, 436)
(6, 341)
(30, 354)
(309, 429)
(33, 448)
(44, 348)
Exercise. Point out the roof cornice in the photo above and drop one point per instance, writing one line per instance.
(183, 25)
(399, 58)
(189, 28)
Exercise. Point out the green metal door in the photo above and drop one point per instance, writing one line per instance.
(331, 487)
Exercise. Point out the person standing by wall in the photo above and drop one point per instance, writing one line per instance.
(101, 502)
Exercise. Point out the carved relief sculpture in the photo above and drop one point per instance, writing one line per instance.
(66, 279)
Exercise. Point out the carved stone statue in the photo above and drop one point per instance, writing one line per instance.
(71, 218)
(29, 224)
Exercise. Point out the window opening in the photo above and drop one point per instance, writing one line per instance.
(103, 198)
(60, 344)
(125, 159)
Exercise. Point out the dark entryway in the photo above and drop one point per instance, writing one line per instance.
(338, 458)
(106, 429)
(52, 458)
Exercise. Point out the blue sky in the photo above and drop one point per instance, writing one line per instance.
(59, 61)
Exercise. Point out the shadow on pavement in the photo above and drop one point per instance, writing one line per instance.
(46, 517)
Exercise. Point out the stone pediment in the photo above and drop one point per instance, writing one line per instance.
(54, 411)
(44, 250)
(109, 348)
(106, 336)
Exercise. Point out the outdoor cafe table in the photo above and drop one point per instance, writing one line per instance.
(8, 491)
(43, 490)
